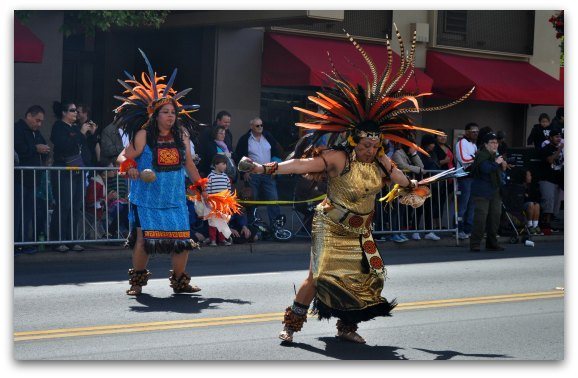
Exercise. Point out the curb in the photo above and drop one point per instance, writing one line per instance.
(301, 245)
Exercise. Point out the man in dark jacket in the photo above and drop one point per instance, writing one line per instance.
(261, 147)
(32, 151)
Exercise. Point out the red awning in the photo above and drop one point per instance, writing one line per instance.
(495, 80)
(294, 60)
(28, 48)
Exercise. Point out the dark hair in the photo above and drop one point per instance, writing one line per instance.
(542, 116)
(489, 136)
(216, 130)
(555, 131)
(152, 129)
(86, 108)
(427, 139)
(33, 110)
(518, 175)
(470, 125)
(222, 114)
(218, 158)
(59, 107)
(560, 112)
(500, 134)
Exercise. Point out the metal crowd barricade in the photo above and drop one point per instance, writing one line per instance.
(38, 209)
(51, 196)
(439, 211)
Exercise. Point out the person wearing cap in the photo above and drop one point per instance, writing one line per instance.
(550, 178)
(485, 171)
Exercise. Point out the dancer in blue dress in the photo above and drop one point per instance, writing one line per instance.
(155, 161)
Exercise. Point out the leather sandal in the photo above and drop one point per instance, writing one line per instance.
(293, 322)
(352, 336)
(134, 290)
(286, 335)
(181, 285)
(347, 332)
(138, 279)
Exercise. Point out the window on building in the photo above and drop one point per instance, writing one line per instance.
(360, 23)
(506, 31)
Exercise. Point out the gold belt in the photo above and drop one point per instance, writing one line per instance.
(358, 223)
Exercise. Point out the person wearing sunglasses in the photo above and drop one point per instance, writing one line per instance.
(68, 139)
(261, 147)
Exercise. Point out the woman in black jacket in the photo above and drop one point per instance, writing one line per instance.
(68, 140)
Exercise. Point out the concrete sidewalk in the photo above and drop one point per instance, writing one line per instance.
(98, 252)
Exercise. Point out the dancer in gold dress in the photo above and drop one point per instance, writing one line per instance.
(346, 273)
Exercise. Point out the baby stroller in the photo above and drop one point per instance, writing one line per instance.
(514, 222)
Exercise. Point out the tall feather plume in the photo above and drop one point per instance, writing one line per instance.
(139, 99)
(345, 105)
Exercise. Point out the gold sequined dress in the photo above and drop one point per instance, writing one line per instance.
(347, 269)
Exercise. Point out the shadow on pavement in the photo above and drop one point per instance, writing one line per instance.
(449, 354)
(180, 303)
(343, 350)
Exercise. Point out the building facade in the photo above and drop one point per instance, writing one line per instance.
(262, 63)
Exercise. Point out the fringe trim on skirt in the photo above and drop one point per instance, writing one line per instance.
(162, 246)
(353, 316)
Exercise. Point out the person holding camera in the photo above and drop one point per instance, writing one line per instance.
(486, 170)
(91, 150)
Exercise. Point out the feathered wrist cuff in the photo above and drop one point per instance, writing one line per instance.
(126, 165)
(270, 168)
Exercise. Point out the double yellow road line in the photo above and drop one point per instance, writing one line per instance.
(260, 318)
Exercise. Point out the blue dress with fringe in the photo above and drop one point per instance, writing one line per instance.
(159, 208)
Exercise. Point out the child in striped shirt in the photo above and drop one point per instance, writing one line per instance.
(217, 182)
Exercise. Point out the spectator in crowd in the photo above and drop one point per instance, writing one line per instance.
(465, 154)
(98, 197)
(486, 170)
(217, 182)
(118, 207)
(540, 132)
(112, 142)
(446, 159)
(551, 176)
(481, 134)
(502, 145)
(91, 154)
(67, 185)
(431, 207)
(531, 202)
(206, 136)
(558, 121)
(407, 159)
(240, 231)
(32, 151)
(216, 146)
(261, 147)
(443, 152)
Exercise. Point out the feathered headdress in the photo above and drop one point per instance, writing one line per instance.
(377, 111)
(141, 99)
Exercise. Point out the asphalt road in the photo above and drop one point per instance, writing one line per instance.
(453, 304)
